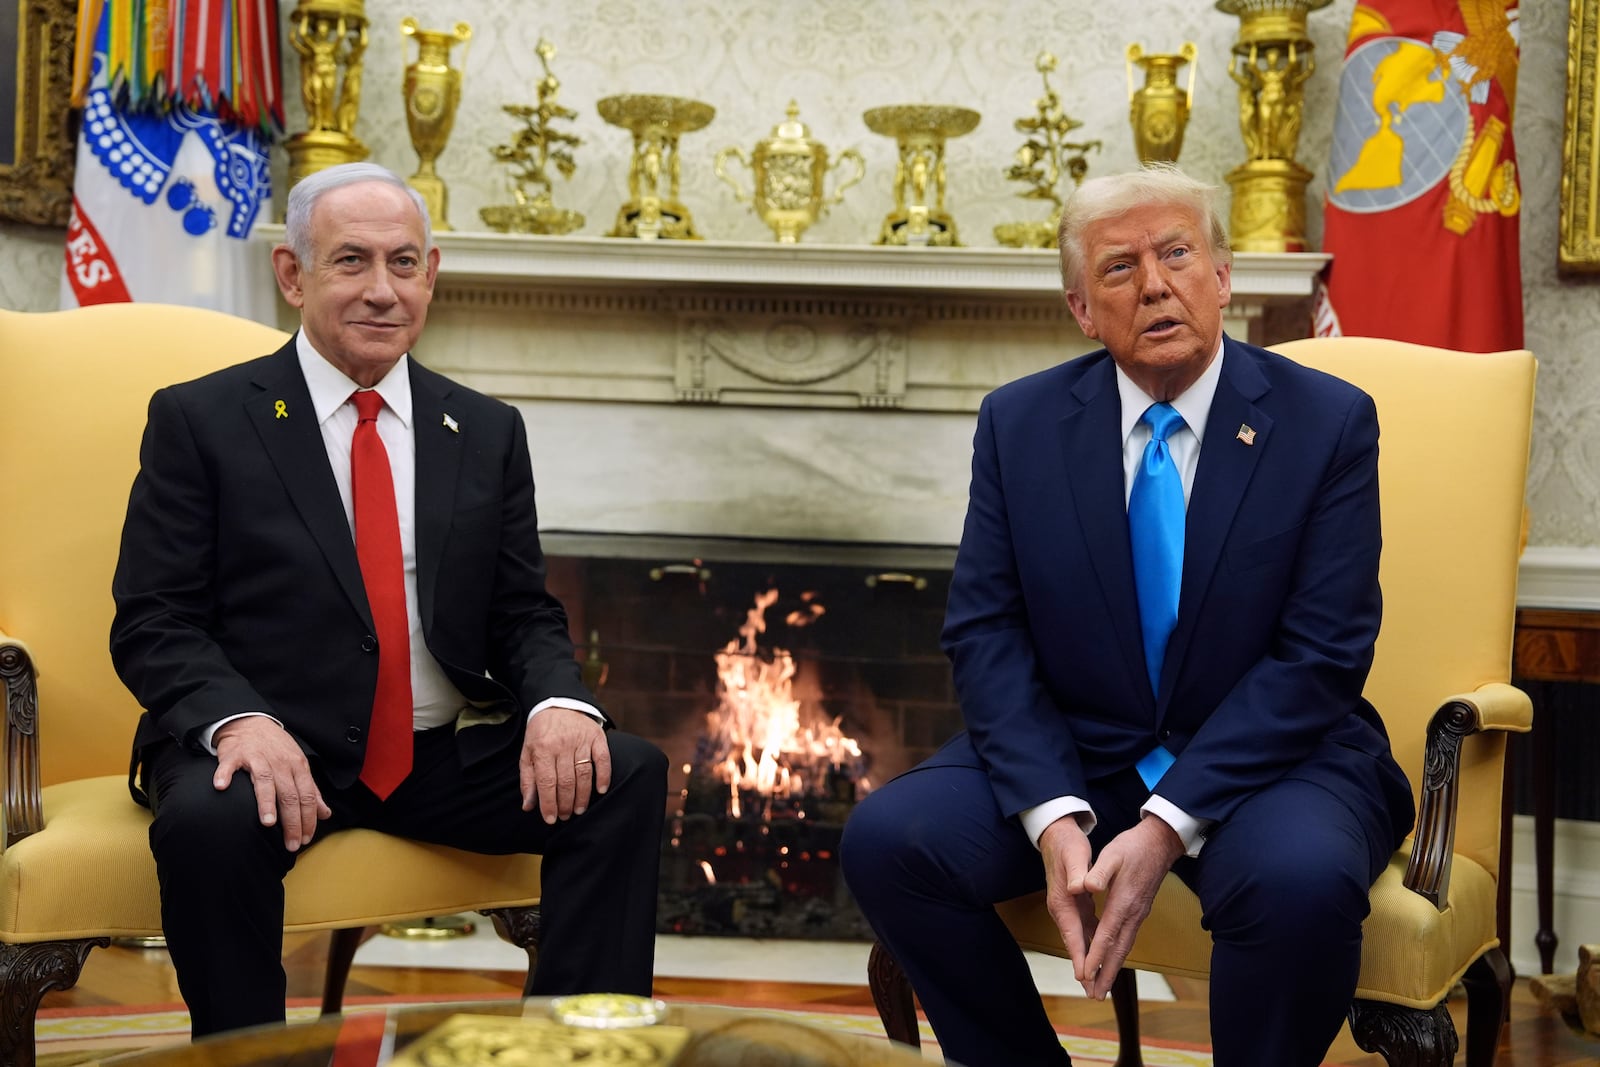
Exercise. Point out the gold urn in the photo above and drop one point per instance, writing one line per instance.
(432, 92)
(1159, 110)
(790, 170)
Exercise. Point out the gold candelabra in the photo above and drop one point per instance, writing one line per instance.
(1044, 158)
(1159, 110)
(1271, 61)
(331, 38)
(432, 92)
(656, 123)
(537, 147)
(920, 132)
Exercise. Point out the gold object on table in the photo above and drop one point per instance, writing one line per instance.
(789, 170)
(536, 148)
(1042, 160)
(656, 123)
(920, 132)
(329, 35)
(607, 1011)
(433, 928)
(1271, 61)
(432, 91)
(474, 1040)
(1159, 111)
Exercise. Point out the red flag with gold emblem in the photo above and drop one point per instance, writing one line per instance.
(1423, 200)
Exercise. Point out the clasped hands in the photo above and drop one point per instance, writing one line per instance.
(560, 747)
(1128, 871)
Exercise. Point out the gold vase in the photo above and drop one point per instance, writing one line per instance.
(1159, 110)
(920, 132)
(1271, 61)
(653, 209)
(331, 38)
(790, 170)
(432, 92)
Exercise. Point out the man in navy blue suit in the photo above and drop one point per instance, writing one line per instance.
(1234, 749)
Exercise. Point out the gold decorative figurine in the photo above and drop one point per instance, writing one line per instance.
(1271, 61)
(789, 170)
(535, 148)
(656, 123)
(432, 92)
(1159, 111)
(920, 132)
(329, 35)
(1042, 160)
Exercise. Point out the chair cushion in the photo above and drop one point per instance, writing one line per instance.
(89, 873)
(1412, 953)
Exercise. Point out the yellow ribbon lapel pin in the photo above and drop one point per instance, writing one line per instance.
(280, 410)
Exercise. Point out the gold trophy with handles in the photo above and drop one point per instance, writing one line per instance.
(432, 93)
(1159, 110)
(790, 170)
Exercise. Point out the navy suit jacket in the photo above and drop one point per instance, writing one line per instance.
(1278, 610)
(238, 589)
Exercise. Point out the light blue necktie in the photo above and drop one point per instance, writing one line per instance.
(1155, 525)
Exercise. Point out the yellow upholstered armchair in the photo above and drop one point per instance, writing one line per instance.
(76, 868)
(1453, 458)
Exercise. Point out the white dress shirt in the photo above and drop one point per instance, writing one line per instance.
(435, 699)
(1194, 404)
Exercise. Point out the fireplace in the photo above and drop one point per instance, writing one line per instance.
(784, 680)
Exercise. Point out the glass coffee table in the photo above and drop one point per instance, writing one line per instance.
(532, 1033)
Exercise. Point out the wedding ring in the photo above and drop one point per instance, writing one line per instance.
(581, 761)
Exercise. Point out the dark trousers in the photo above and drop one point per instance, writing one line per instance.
(221, 872)
(1283, 884)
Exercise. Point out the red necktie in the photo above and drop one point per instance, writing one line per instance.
(383, 570)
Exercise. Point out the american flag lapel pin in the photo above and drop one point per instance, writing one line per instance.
(1247, 435)
(451, 424)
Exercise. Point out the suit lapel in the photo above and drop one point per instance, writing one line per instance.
(1226, 463)
(438, 433)
(280, 409)
(1091, 440)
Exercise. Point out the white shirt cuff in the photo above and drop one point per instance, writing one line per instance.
(210, 732)
(1038, 819)
(1191, 831)
(567, 702)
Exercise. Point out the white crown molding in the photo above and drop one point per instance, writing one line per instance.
(487, 257)
(1559, 576)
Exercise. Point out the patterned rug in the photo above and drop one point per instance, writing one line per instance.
(93, 1036)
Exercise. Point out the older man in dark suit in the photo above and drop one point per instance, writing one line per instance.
(331, 604)
(1161, 620)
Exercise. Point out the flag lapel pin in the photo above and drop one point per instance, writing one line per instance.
(1247, 435)
(451, 424)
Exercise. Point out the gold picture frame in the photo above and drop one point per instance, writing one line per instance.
(36, 174)
(1580, 168)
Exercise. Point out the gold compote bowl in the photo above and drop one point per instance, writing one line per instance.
(920, 131)
(656, 123)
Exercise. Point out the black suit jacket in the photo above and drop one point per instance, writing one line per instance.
(238, 589)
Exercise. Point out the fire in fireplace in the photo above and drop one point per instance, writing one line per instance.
(832, 680)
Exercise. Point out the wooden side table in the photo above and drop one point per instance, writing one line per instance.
(1551, 646)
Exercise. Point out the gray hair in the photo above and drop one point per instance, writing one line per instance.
(1114, 194)
(308, 190)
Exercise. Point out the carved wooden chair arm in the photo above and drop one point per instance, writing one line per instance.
(1495, 706)
(23, 810)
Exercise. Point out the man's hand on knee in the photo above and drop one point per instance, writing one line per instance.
(286, 794)
(564, 758)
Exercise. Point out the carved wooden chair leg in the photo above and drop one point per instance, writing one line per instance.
(891, 992)
(1488, 983)
(27, 973)
(341, 953)
(1405, 1037)
(520, 926)
(1125, 1000)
